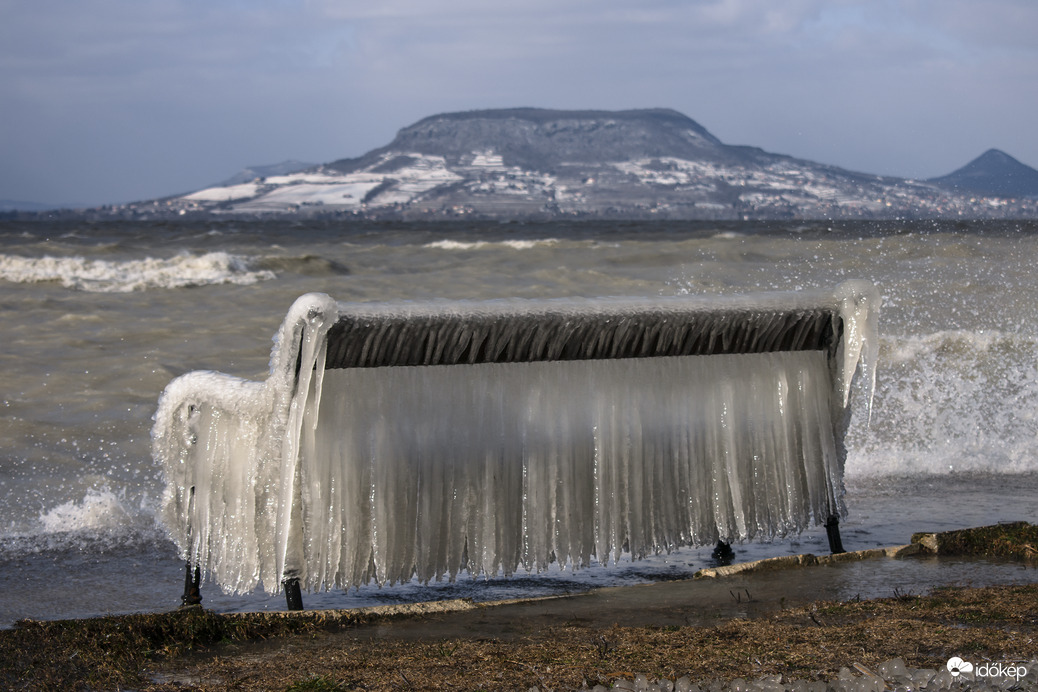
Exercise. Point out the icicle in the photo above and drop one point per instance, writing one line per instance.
(303, 332)
(212, 433)
(859, 305)
(508, 465)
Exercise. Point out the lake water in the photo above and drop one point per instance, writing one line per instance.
(99, 317)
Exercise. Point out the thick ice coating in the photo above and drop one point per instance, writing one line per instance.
(429, 438)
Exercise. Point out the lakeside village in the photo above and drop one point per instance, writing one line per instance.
(425, 187)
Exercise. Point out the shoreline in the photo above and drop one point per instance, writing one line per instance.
(563, 642)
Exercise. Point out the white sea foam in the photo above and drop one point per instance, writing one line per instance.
(101, 520)
(124, 276)
(951, 401)
(99, 509)
(478, 244)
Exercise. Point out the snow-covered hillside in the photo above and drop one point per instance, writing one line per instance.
(530, 163)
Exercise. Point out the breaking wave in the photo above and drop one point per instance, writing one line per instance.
(951, 401)
(124, 276)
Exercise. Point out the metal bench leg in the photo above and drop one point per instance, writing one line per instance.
(832, 530)
(723, 553)
(293, 594)
(192, 586)
(192, 578)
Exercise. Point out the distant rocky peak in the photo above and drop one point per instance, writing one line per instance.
(993, 173)
(997, 157)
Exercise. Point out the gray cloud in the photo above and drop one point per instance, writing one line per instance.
(113, 100)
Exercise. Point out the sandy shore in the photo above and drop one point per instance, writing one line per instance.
(657, 631)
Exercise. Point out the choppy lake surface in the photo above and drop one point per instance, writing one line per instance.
(99, 317)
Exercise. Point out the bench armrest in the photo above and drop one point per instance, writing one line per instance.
(217, 438)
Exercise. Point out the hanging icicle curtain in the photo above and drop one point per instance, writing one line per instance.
(430, 438)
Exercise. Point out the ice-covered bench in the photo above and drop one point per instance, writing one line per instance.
(427, 438)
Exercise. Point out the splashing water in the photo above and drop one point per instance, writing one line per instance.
(99, 509)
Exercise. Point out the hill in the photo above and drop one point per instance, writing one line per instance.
(525, 163)
(994, 173)
(253, 172)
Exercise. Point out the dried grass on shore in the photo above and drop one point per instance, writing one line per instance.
(195, 649)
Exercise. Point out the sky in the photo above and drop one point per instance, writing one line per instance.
(112, 101)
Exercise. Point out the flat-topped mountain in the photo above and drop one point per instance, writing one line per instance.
(525, 163)
(538, 139)
(995, 174)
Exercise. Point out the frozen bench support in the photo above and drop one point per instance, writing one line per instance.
(424, 439)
